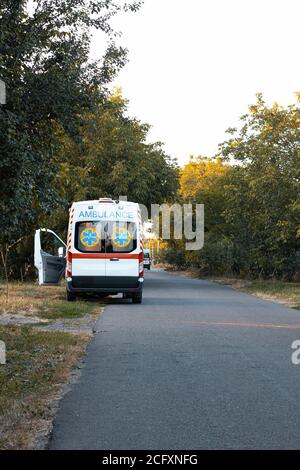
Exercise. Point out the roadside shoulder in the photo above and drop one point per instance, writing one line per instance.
(285, 293)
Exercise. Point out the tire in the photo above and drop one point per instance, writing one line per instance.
(148, 268)
(71, 297)
(137, 298)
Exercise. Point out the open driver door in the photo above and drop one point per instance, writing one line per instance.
(51, 267)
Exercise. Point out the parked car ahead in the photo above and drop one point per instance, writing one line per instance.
(147, 259)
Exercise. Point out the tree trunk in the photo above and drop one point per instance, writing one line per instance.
(4, 253)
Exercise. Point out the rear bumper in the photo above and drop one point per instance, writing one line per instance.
(102, 284)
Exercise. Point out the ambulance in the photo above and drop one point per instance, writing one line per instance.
(103, 253)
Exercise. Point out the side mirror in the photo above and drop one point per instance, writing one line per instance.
(61, 252)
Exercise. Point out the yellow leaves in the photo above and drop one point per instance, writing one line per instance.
(253, 109)
(117, 98)
(200, 174)
(235, 143)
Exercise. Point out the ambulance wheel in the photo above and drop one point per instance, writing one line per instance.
(71, 296)
(137, 298)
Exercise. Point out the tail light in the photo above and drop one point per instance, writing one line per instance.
(69, 265)
(141, 264)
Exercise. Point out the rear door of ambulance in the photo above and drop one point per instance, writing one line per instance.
(87, 246)
(122, 252)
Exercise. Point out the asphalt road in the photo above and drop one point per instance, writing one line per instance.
(196, 366)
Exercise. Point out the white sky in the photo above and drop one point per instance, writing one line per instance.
(195, 65)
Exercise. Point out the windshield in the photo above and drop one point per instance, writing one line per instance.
(105, 237)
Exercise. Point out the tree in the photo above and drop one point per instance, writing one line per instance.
(201, 181)
(111, 159)
(263, 199)
(51, 82)
(252, 206)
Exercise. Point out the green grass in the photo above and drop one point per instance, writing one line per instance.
(288, 292)
(36, 363)
(68, 310)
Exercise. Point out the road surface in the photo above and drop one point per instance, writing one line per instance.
(197, 366)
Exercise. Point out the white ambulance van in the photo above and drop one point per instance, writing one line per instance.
(103, 253)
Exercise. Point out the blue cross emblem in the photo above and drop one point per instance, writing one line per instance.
(89, 237)
(121, 238)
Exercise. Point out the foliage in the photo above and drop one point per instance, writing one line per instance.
(44, 61)
(61, 130)
(111, 159)
(54, 92)
(252, 207)
(263, 196)
(202, 182)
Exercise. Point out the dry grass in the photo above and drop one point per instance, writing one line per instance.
(38, 363)
(28, 298)
(287, 293)
(32, 300)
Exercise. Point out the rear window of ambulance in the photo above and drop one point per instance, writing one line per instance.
(90, 237)
(120, 237)
(105, 237)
